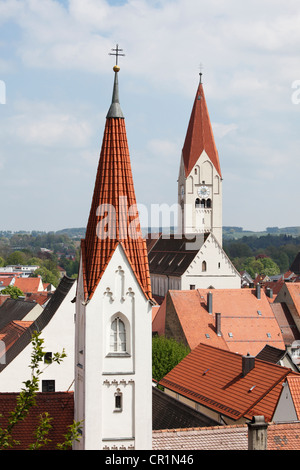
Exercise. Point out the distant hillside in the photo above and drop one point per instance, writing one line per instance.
(238, 232)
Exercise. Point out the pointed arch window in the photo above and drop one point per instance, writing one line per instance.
(117, 336)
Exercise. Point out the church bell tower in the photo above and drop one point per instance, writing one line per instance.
(200, 178)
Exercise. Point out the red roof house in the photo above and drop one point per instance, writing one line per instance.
(239, 320)
(231, 387)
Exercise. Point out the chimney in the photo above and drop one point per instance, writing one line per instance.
(248, 363)
(257, 433)
(258, 291)
(218, 324)
(270, 293)
(209, 302)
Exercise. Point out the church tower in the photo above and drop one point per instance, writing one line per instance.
(200, 178)
(113, 363)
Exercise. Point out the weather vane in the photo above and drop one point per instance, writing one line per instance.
(116, 53)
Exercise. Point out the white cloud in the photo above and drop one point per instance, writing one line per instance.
(41, 124)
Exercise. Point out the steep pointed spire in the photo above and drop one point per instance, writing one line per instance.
(199, 135)
(115, 110)
(113, 218)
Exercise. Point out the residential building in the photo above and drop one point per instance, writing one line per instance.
(19, 319)
(238, 320)
(229, 387)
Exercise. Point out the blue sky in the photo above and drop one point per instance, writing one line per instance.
(57, 72)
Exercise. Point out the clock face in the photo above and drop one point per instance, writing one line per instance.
(203, 191)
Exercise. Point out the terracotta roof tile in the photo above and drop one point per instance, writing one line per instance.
(59, 405)
(114, 206)
(199, 135)
(213, 378)
(29, 284)
(279, 437)
(247, 323)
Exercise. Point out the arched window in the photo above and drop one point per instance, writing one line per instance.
(204, 266)
(118, 336)
(208, 203)
(203, 203)
(197, 203)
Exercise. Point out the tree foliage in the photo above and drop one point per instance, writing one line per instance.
(27, 399)
(166, 354)
(13, 291)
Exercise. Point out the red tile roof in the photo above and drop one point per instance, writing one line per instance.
(283, 436)
(213, 378)
(199, 135)
(12, 332)
(114, 191)
(247, 323)
(59, 405)
(29, 284)
(294, 385)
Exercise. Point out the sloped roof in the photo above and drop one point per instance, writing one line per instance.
(294, 386)
(59, 405)
(271, 354)
(44, 318)
(168, 413)
(199, 135)
(294, 291)
(171, 255)
(29, 284)
(247, 323)
(14, 309)
(281, 436)
(287, 325)
(213, 378)
(114, 198)
(10, 334)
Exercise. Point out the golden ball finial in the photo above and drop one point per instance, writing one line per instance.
(116, 68)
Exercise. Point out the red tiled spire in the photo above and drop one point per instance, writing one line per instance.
(199, 135)
(113, 210)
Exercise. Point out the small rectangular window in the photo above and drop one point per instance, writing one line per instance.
(192, 286)
(48, 385)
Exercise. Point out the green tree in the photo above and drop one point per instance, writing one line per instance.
(13, 291)
(27, 398)
(17, 257)
(47, 276)
(166, 354)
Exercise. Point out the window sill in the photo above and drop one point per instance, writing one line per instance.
(118, 354)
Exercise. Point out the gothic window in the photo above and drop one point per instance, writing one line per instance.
(197, 203)
(117, 336)
(203, 204)
(204, 266)
(208, 203)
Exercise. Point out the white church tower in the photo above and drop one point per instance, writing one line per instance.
(200, 179)
(113, 363)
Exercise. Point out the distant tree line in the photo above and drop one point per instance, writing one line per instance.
(269, 254)
(24, 248)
